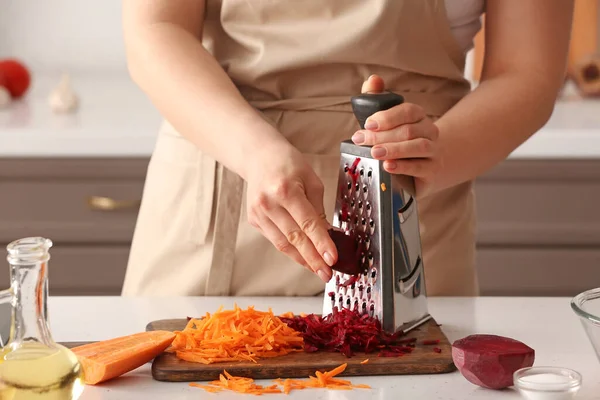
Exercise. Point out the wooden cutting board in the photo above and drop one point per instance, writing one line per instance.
(423, 360)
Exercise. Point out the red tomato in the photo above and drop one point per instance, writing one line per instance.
(2, 80)
(16, 77)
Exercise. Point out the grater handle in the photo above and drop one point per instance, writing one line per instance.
(367, 104)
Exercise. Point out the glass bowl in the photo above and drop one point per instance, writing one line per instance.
(547, 383)
(587, 307)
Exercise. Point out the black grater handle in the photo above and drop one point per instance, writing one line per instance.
(368, 104)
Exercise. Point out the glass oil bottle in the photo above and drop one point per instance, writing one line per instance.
(32, 365)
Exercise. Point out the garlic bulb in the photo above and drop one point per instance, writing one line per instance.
(5, 98)
(63, 99)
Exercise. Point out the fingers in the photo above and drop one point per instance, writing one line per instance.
(296, 227)
(315, 191)
(304, 237)
(420, 168)
(406, 113)
(422, 129)
(307, 211)
(373, 84)
(417, 148)
(278, 239)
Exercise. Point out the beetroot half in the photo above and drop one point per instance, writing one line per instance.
(348, 252)
(490, 361)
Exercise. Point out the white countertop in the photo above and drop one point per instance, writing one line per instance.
(546, 324)
(116, 119)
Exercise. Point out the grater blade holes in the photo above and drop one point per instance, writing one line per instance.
(346, 168)
(362, 171)
(363, 308)
(370, 174)
(371, 310)
(332, 298)
(360, 205)
(368, 208)
(370, 258)
(371, 226)
(367, 243)
(369, 292)
(373, 275)
(365, 191)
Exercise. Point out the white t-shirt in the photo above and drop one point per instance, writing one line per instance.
(465, 20)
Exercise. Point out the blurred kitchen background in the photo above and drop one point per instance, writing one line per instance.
(77, 178)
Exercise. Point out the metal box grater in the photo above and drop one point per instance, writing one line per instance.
(379, 208)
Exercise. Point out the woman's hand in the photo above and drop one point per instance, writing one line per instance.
(404, 138)
(285, 203)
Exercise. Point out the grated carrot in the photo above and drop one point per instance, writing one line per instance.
(235, 335)
(364, 361)
(326, 380)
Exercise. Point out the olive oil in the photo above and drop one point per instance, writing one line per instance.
(32, 365)
(37, 372)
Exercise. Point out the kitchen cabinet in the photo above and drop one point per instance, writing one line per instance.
(87, 206)
(539, 227)
(538, 223)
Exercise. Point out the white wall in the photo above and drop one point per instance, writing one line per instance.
(56, 35)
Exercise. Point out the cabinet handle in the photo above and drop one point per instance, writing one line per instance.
(98, 203)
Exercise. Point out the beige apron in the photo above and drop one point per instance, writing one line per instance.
(299, 62)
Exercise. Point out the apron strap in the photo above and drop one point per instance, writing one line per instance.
(227, 220)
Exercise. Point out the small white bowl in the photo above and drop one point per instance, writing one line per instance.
(547, 383)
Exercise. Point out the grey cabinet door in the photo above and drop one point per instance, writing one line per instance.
(539, 228)
(88, 207)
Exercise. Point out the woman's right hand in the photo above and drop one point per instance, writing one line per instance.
(285, 203)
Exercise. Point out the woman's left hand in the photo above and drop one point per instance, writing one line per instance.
(404, 138)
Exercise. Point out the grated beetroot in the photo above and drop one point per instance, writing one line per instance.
(351, 281)
(352, 171)
(347, 332)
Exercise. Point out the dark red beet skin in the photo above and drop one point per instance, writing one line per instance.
(490, 361)
(348, 253)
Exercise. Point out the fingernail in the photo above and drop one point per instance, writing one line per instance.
(379, 152)
(371, 76)
(323, 275)
(358, 137)
(391, 165)
(371, 125)
(328, 259)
